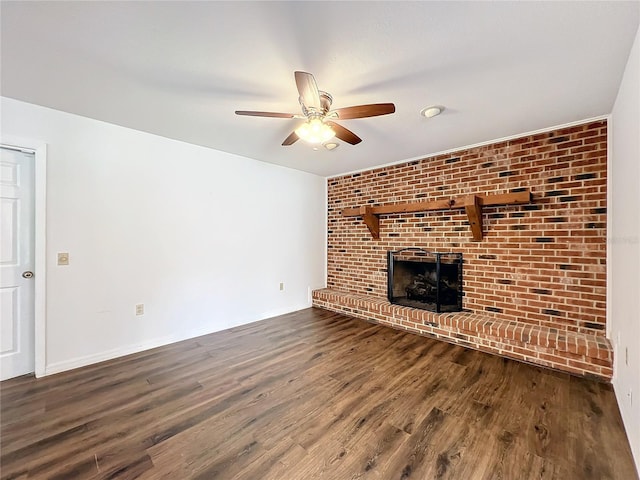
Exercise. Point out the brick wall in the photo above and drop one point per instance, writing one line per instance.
(539, 264)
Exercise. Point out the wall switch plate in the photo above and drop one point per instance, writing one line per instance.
(63, 258)
(281, 286)
(140, 309)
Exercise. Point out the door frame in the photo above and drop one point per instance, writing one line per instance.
(39, 149)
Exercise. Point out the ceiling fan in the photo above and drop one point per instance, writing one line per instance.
(316, 110)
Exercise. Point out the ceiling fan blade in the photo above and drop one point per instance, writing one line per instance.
(265, 114)
(308, 90)
(363, 111)
(344, 134)
(291, 139)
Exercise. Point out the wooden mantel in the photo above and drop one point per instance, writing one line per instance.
(471, 203)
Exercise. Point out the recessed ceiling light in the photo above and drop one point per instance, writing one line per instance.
(431, 111)
(330, 146)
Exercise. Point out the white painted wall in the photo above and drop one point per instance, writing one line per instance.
(201, 237)
(624, 245)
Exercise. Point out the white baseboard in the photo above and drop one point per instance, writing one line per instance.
(78, 362)
(283, 311)
(70, 364)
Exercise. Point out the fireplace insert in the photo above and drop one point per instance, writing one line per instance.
(427, 280)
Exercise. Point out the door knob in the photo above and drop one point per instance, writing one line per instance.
(27, 274)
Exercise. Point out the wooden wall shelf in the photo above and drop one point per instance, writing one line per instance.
(471, 203)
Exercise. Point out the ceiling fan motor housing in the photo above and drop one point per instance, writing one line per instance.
(325, 101)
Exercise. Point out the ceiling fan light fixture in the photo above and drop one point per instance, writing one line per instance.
(319, 126)
(432, 111)
(315, 131)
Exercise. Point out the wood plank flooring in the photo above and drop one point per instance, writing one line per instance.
(311, 395)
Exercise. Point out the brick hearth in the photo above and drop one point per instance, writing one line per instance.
(534, 287)
(577, 353)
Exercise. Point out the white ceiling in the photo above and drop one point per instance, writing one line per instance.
(181, 69)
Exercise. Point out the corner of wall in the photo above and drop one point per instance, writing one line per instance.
(623, 248)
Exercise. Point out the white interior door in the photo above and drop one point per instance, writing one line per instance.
(17, 355)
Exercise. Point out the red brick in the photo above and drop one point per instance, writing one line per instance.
(572, 267)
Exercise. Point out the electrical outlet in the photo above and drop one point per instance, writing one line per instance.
(63, 258)
(626, 356)
(140, 309)
(281, 286)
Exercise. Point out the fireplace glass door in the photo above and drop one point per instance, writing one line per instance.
(427, 280)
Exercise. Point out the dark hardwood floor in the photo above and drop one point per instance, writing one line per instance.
(311, 395)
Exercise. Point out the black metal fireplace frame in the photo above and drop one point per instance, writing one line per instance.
(420, 252)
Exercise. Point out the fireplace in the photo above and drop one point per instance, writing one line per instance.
(427, 280)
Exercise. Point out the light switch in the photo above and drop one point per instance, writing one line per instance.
(63, 258)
